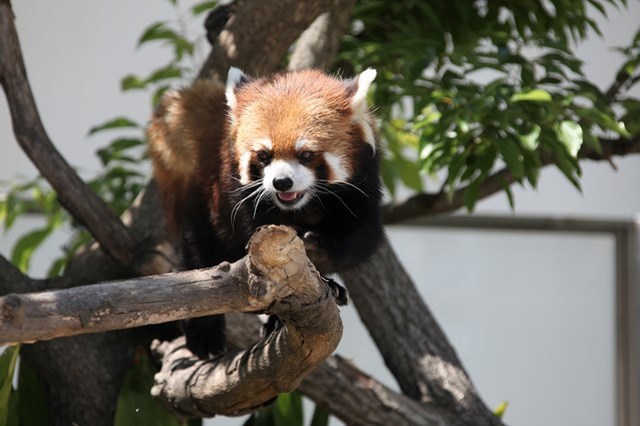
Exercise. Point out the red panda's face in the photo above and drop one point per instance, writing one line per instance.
(296, 135)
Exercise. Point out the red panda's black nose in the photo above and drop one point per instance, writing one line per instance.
(282, 183)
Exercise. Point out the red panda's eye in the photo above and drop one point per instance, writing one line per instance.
(262, 155)
(306, 156)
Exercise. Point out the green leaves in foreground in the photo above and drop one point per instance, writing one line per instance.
(287, 411)
(30, 196)
(501, 410)
(136, 406)
(8, 361)
(24, 405)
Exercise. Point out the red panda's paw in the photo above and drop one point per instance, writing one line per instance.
(339, 292)
(317, 252)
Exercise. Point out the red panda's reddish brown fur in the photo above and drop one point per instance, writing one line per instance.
(296, 149)
(180, 134)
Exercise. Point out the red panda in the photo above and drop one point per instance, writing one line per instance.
(296, 148)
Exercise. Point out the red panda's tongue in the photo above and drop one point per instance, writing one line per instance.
(288, 196)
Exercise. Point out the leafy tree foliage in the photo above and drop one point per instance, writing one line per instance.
(466, 88)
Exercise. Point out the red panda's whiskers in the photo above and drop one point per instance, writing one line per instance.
(243, 188)
(262, 195)
(236, 208)
(342, 182)
(324, 189)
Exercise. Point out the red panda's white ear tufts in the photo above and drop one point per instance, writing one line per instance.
(235, 79)
(359, 105)
(363, 81)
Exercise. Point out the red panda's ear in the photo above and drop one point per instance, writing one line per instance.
(363, 82)
(359, 105)
(235, 80)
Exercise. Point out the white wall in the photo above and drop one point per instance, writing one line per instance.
(484, 288)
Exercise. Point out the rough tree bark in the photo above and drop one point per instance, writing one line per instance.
(275, 277)
(275, 270)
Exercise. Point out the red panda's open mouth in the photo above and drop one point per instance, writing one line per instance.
(289, 197)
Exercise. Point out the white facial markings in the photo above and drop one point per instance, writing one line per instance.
(262, 145)
(245, 161)
(302, 177)
(339, 172)
(301, 145)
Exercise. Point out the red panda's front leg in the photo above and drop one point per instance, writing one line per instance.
(317, 252)
(339, 249)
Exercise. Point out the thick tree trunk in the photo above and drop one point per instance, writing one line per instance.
(413, 345)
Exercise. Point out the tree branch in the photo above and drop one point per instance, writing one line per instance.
(363, 401)
(276, 255)
(414, 347)
(81, 202)
(241, 381)
(612, 147)
(14, 281)
(275, 276)
(275, 24)
(621, 78)
(430, 204)
(423, 204)
(318, 44)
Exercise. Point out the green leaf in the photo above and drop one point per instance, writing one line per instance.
(471, 193)
(132, 82)
(568, 166)
(115, 123)
(164, 73)
(156, 31)
(8, 361)
(409, 173)
(136, 406)
(14, 207)
(157, 95)
(264, 417)
(32, 408)
(593, 142)
(117, 149)
(507, 190)
(531, 167)
(320, 417)
(530, 140)
(204, 6)
(501, 409)
(570, 135)
(56, 268)
(456, 167)
(288, 409)
(389, 175)
(26, 245)
(4, 209)
(535, 95)
(512, 156)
